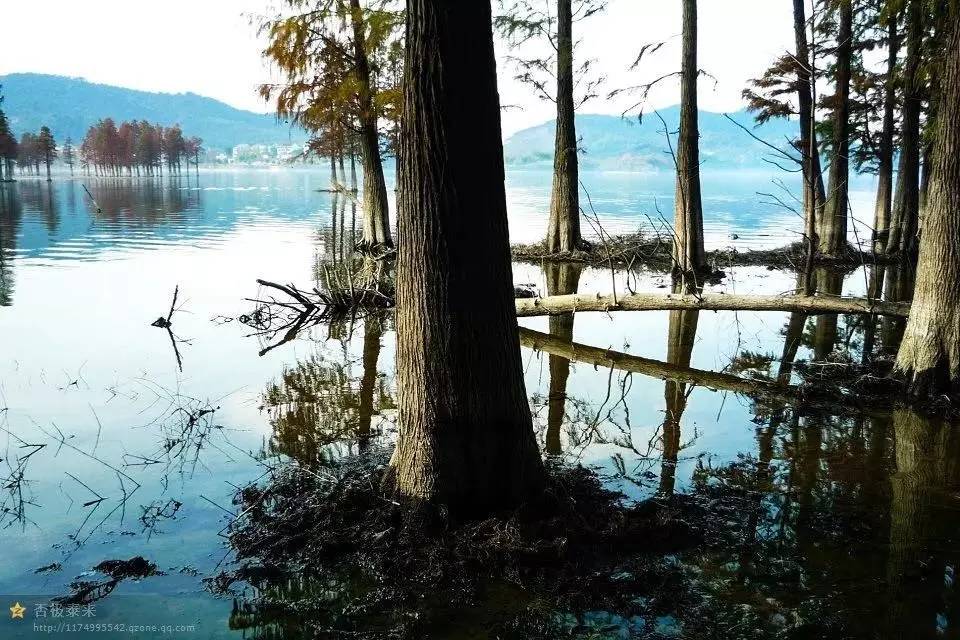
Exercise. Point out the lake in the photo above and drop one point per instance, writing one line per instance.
(121, 439)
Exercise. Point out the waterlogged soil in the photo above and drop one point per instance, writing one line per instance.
(173, 477)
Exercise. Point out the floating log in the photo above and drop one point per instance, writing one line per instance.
(555, 305)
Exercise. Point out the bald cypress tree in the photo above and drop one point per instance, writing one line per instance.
(833, 227)
(929, 355)
(688, 252)
(466, 435)
(47, 147)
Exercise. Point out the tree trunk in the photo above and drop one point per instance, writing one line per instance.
(553, 305)
(929, 355)
(563, 232)
(466, 434)
(688, 253)
(906, 208)
(376, 209)
(563, 278)
(813, 193)
(881, 215)
(833, 230)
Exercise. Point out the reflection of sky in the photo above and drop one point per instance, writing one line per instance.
(87, 286)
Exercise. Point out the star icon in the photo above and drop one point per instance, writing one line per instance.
(17, 611)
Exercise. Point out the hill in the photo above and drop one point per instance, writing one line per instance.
(70, 105)
(615, 143)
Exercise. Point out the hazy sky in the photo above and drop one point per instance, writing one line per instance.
(208, 47)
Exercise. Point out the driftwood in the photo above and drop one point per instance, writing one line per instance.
(555, 305)
(829, 398)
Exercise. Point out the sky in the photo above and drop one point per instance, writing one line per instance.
(210, 48)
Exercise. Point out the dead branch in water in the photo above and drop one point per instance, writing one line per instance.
(555, 305)
(167, 323)
(281, 321)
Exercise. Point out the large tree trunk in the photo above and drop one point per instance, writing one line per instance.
(813, 193)
(833, 230)
(881, 214)
(906, 207)
(688, 253)
(376, 209)
(466, 434)
(563, 232)
(929, 355)
(552, 305)
(562, 278)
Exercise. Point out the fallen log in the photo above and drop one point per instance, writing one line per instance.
(555, 305)
(829, 398)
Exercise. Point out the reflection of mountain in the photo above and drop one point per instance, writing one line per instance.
(10, 218)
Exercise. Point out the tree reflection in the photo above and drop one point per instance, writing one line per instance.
(680, 338)
(562, 279)
(321, 401)
(11, 216)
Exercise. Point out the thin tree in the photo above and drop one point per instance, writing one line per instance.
(688, 251)
(833, 227)
(338, 58)
(881, 216)
(556, 78)
(47, 147)
(466, 435)
(929, 355)
(905, 215)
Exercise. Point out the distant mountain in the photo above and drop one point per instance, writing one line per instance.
(70, 105)
(615, 143)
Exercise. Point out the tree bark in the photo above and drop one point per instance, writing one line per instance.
(563, 232)
(929, 354)
(466, 434)
(813, 193)
(553, 305)
(881, 215)
(906, 208)
(563, 278)
(833, 230)
(376, 209)
(688, 253)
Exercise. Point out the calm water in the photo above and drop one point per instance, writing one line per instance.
(110, 451)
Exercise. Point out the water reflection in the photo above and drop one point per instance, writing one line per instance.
(322, 406)
(562, 279)
(681, 336)
(11, 214)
